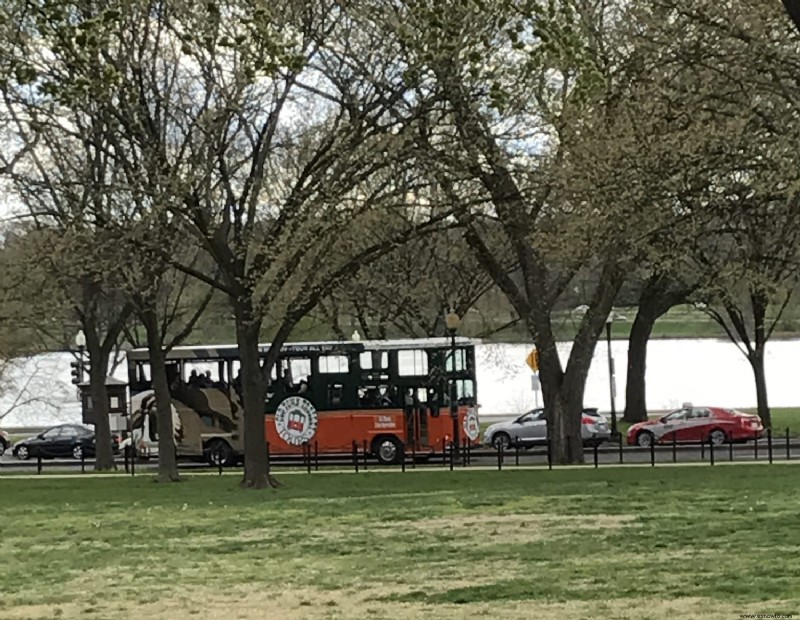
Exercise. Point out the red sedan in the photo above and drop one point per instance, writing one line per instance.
(694, 424)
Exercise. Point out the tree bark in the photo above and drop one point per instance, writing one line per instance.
(793, 8)
(760, 301)
(563, 400)
(757, 363)
(635, 386)
(98, 368)
(256, 465)
(659, 295)
(167, 457)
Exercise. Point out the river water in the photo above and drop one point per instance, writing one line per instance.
(701, 371)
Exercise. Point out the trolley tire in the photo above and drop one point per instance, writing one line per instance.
(219, 450)
(387, 449)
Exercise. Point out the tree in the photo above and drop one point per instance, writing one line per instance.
(254, 125)
(747, 252)
(162, 301)
(660, 293)
(65, 270)
(521, 85)
(404, 292)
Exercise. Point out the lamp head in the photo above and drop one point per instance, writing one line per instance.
(452, 320)
(80, 339)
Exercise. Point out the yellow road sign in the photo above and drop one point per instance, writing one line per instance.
(533, 360)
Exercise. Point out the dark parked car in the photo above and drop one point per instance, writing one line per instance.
(66, 440)
(4, 442)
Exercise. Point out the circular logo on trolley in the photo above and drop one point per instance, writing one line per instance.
(472, 427)
(296, 420)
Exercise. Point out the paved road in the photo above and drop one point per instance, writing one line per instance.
(606, 455)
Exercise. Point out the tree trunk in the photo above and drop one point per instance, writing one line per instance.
(635, 388)
(757, 363)
(568, 411)
(167, 457)
(658, 296)
(760, 302)
(563, 404)
(98, 368)
(256, 465)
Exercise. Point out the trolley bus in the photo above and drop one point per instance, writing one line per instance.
(387, 395)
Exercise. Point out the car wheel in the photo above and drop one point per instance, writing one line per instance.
(645, 439)
(501, 441)
(387, 450)
(717, 437)
(23, 454)
(219, 451)
(77, 452)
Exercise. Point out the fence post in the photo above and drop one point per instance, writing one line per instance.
(516, 452)
(307, 448)
(549, 455)
(452, 454)
(755, 446)
(365, 455)
(702, 450)
(403, 456)
(620, 449)
(39, 464)
(730, 451)
(674, 448)
(83, 461)
(133, 460)
(788, 449)
(711, 451)
(769, 444)
(653, 453)
(219, 460)
(355, 455)
(125, 456)
(594, 450)
(444, 452)
(413, 454)
(500, 456)
(316, 455)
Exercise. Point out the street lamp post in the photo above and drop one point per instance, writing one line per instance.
(80, 341)
(78, 367)
(452, 321)
(611, 379)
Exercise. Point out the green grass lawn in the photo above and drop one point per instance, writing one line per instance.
(661, 543)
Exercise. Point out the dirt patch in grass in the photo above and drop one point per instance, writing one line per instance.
(304, 603)
(462, 521)
(519, 527)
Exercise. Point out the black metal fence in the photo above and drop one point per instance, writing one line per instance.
(768, 448)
